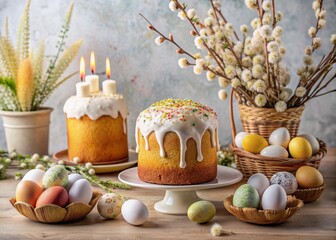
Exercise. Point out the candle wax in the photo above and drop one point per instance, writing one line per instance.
(83, 89)
(93, 80)
(109, 87)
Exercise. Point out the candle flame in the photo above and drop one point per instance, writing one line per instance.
(82, 69)
(108, 68)
(92, 63)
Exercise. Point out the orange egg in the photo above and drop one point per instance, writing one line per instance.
(28, 192)
(309, 177)
(54, 195)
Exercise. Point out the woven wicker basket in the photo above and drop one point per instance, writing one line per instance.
(309, 195)
(263, 121)
(249, 163)
(264, 217)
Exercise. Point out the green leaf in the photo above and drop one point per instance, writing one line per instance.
(9, 83)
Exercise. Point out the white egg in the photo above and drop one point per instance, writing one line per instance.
(286, 180)
(260, 182)
(239, 139)
(80, 191)
(274, 151)
(280, 137)
(313, 142)
(109, 205)
(73, 177)
(34, 175)
(274, 198)
(134, 212)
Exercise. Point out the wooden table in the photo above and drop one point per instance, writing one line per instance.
(314, 221)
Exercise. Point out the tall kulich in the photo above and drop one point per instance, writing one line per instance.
(97, 128)
(177, 142)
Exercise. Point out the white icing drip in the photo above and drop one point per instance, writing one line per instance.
(183, 121)
(96, 106)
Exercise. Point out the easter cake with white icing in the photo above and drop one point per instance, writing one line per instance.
(97, 128)
(177, 142)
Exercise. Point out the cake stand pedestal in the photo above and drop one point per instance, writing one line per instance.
(178, 198)
(176, 202)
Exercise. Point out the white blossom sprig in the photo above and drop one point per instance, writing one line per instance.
(253, 64)
(23, 162)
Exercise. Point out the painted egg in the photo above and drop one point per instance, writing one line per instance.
(315, 145)
(254, 143)
(80, 191)
(274, 151)
(280, 137)
(109, 205)
(73, 177)
(28, 191)
(201, 211)
(34, 175)
(54, 195)
(274, 198)
(55, 176)
(286, 180)
(309, 177)
(134, 212)
(239, 139)
(260, 182)
(246, 196)
(299, 148)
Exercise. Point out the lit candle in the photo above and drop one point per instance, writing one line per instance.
(93, 80)
(82, 88)
(109, 86)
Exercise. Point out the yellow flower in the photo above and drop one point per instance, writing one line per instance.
(25, 85)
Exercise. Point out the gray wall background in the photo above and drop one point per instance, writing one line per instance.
(146, 73)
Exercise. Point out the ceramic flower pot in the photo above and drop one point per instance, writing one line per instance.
(27, 132)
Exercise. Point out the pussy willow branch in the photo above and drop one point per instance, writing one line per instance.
(313, 50)
(226, 39)
(273, 14)
(151, 27)
(182, 8)
(216, 10)
(260, 14)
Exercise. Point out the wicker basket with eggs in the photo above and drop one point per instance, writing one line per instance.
(276, 152)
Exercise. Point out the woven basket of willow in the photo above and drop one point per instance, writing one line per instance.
(263, 121)
(249, 163)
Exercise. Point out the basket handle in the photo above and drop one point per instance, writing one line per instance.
(232, 122)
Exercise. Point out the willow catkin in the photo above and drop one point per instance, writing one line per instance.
(25, 85)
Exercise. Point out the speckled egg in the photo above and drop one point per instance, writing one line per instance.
(286, 180)
(55, 176)
(109, 205)
(246, 196)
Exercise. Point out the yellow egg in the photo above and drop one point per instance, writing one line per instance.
(309, 177)
(254, 143)
(299, 148)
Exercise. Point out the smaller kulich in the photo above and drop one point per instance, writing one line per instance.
(97, 128)
(177, 142)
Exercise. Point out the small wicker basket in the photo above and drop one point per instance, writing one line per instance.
(249, 163)
(264, 217)
(51, 213)
(310, 194)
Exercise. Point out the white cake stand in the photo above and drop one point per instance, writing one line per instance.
(178, 198)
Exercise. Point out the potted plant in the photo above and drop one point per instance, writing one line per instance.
(251, 63)
(25, 85)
